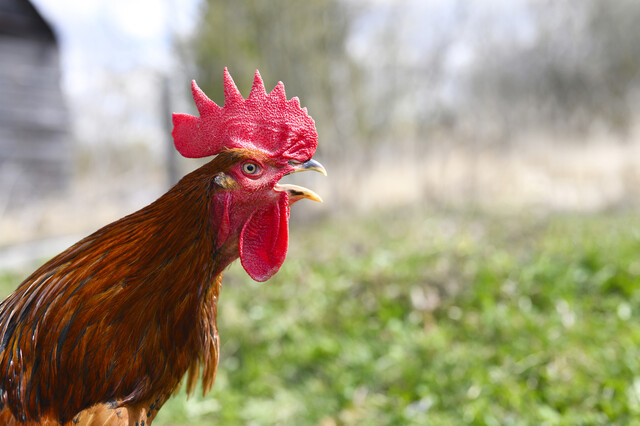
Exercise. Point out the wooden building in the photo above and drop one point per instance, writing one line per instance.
(35, 143)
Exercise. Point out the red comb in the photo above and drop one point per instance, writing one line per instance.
(266, 122)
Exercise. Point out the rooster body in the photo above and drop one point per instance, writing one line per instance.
(104, 332)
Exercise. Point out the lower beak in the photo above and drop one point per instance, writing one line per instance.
(296, 192)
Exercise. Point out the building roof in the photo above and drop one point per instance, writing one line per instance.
(19, 18)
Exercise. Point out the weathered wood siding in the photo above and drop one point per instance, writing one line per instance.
(35, 146)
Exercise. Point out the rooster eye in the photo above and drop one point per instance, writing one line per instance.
(250, 168)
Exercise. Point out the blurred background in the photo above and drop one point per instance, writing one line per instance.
(477, 256)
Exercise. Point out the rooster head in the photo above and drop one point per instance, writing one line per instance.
(262, 138)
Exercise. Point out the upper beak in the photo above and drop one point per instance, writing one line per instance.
(296, 192)
(309, 165)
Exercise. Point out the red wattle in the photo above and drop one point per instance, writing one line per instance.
(264, 240)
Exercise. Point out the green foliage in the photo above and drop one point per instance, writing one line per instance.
(416, 318)
(407, 319)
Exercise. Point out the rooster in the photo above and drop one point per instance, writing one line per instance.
(105, 331)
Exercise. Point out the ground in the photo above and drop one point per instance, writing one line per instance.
(447, 317)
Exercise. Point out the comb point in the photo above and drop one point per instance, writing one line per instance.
(203, 103)
(231, 93)
(278, 92)
(257, 90)
(295, 102)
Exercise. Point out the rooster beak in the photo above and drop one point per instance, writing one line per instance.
(309, 165)
(296, 192)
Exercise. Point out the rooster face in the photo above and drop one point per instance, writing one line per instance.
(250, 205)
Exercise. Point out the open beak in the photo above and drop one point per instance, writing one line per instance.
(296, 192)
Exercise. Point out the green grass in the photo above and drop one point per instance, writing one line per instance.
(414, 318)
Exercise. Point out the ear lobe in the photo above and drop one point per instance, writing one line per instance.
(224, 181)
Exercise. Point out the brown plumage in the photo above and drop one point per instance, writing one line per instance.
(104, 332)
(77, 319)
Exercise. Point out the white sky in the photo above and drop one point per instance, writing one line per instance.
(115, 35)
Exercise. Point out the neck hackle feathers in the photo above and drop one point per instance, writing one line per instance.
(265, 122)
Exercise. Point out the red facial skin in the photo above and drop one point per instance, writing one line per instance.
(257, 178)
(251, 209)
